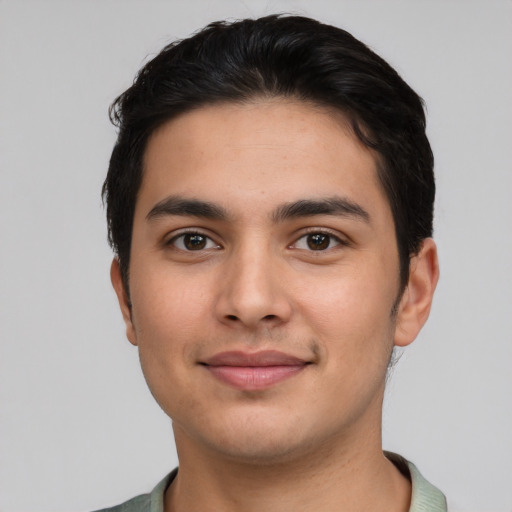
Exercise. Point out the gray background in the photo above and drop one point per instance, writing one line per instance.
(78, 429)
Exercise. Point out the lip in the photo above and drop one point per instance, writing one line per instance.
(254, 371)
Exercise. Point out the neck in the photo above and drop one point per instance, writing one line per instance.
(337, 475)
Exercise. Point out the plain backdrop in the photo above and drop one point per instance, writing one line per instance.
(78, 428)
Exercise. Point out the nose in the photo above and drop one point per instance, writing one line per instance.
(252, 291)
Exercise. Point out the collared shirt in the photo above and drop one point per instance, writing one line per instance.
(425, 497)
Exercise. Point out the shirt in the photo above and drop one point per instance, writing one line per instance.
(424, 498)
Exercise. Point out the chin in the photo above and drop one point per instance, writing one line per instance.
(252, 442)
(261, 452)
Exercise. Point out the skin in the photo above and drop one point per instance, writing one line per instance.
(252, 283)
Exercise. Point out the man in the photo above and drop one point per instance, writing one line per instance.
(270, 201)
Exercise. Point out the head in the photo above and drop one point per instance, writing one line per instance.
(278, 57)
(270, 202)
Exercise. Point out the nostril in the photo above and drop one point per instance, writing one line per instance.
(232, 317)
(269, 317)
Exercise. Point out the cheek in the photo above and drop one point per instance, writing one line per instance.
(347, 302)
(169, 315)
(351, 323)
(351, 317)
(162, 296)
(169, 318)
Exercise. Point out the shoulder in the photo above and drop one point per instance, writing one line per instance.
(151, 502)
(140, 503)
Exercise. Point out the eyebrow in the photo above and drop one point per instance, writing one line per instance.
(175, 205)
(335, 205)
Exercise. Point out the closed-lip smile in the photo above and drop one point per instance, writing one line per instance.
(254, 371)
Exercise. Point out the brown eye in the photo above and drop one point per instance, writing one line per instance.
(193, 242)
(318, 241)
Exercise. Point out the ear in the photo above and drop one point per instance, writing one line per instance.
(416, 301)
(124, 301)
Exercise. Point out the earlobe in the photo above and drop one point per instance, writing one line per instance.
(124, 302)
(416, 301)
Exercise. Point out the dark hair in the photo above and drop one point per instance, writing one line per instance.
(278, 56)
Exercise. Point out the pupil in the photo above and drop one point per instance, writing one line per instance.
(195, 242)
(318, 241)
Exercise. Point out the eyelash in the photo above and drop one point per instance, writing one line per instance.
(209, 240)
(323, 233)
(172, 241)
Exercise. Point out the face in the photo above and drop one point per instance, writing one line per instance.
(263, 274)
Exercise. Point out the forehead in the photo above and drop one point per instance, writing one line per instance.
(258, 153)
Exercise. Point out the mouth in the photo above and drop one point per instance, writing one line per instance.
(254, 371)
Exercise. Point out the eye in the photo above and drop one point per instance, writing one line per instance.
(193, 242)
(317, 242)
